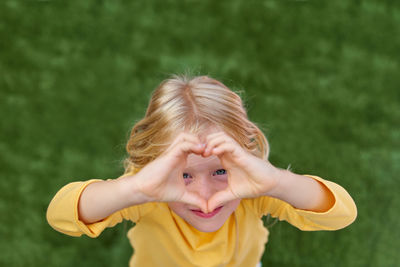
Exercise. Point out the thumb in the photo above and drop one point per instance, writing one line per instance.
(219, 199)
(195, 200)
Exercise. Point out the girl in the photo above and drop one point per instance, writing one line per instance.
(197, 183)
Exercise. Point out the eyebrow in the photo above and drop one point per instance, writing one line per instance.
(213, 167)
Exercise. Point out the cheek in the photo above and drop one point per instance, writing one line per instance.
(221, 182)
(232, 205)
(177, 207)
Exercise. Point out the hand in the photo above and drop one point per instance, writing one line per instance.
(162, 179)
(248, 175)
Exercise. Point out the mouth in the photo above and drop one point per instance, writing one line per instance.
(207, 215)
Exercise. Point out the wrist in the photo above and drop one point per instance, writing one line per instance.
(280, 177)
(129, 190)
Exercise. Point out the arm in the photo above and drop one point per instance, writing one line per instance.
(103, 198)
(307, 202)
(300, 191)
(342, 213)
(89, 207)
(160, 180)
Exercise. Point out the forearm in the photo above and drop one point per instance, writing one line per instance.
(103, 198)
(301, 192)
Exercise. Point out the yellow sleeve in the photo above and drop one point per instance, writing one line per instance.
(341, 214)
(62, 213)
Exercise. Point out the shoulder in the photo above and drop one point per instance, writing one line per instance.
(264, 205)
(250, 205)
(136, 213)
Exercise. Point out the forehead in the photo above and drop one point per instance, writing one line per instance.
(196, 162)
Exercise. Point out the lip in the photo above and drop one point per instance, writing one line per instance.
(207, 215)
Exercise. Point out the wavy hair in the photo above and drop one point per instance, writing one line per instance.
(181, 103)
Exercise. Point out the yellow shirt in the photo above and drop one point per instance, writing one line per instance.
(161, 238)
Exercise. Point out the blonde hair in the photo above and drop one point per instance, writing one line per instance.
(190, 104)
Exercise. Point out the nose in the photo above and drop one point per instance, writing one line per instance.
(204, 187)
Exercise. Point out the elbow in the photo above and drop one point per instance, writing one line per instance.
(352, 215)
(57, 218)
(51, 220)
(349, 214)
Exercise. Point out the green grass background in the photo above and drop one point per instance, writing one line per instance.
(320, 77)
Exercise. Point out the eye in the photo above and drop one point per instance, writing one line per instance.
(220, 172)
(186, 175)
(187, 178)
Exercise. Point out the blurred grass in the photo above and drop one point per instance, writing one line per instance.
(321, 78)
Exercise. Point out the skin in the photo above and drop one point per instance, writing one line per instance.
(205, 176)
(187, 176)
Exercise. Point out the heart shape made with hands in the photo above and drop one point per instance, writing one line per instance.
(248, 175)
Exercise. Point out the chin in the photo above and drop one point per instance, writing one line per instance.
(207, 228)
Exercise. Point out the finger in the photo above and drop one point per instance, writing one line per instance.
(223, 148)
(219, 199)
(190, 137)
(195, 200)
(190, 147)
(215, 142)
(213, 136)
(183, 137)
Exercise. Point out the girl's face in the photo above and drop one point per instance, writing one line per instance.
(205, 177)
